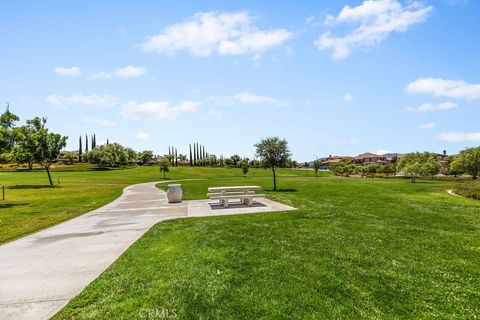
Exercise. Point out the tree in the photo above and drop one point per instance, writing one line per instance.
(70, 156)
(48, 145)
(111, 155)
(344, 167)
(7, 134)
(190, 159)
(145, 156)
(176, 158)
(419, 164)
(316, 166)
(468, 160)
(80, 148)
(86, 143)
(371, 169)
(164, 166)
(25, 148)
(389, 169)
(244, 166)
(274, 153)
(235, 159)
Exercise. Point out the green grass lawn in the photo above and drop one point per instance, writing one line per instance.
(356, 248)
(31, 204)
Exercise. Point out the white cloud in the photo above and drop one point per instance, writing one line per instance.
(381, 151)
(242, 98)
(460, 137)
(212, 32)
(375, 20)
(123, 73)
(429, 125)
(157, 110)
(98, 121)
(104, 100)
(67, 72)
(458, 89)
(142, 136)
(426, 107)
(130, 72)
(347, 98)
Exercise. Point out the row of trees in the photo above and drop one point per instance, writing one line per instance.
(81, 149)
(414, 165)
(30, 143)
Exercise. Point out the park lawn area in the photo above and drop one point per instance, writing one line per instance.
(355, 248)
(31, 204)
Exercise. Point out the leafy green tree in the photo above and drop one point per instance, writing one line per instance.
(111, 155)
(48, 145)
(419, 164)
(70, 156)
(145, 156)
(274, 153)
(25, 148)
(316, 166)
(468, 160)
(389, 169)
(245, 167)
(164, 166)
(7, 134)
(371, 170)
(456, 167)
(345, 167)
(235, 159)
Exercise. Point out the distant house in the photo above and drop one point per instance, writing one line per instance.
(326, 162)
(368, 158)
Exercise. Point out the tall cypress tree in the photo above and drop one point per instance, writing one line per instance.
(86, 143)
(94, 141)
(80, 148)
(176, 158)
(107, 142)
(194, 154)
(191, 160)
(198, 154)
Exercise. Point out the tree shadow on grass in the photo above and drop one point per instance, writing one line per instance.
(283, 190)
(11, 205)
(30, 186)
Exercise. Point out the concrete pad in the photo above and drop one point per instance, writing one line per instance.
(40, 273)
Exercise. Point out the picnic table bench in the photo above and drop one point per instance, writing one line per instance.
(245, 194)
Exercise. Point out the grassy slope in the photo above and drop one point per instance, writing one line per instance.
(356, 248)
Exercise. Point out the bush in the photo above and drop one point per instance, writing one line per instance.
(470, 189)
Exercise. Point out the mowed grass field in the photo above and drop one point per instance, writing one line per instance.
(355, 248)
(31, 204)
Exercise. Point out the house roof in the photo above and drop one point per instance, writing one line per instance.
(367, 155)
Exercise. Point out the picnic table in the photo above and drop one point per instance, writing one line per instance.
(246, 194)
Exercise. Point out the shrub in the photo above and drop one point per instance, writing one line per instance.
(470, 189)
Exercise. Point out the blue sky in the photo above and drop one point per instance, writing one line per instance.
(332, 77)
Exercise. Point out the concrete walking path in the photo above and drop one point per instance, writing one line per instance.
(41, 272)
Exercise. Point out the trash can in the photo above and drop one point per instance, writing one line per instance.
(174, 193)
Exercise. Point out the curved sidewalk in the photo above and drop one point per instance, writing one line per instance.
(41, 272)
